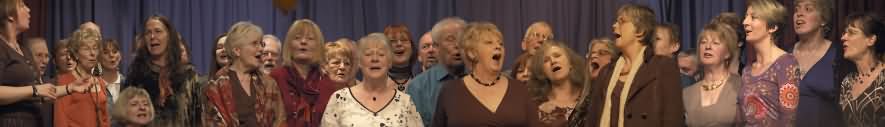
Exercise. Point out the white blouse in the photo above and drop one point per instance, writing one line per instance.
(343, 110)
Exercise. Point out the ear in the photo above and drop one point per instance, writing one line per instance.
(773, 29)
(471, 55)
(675, 47)
(236, 52)
(525, 45)
(872, 40)
(641, 34)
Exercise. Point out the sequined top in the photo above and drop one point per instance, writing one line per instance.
(770, 98)
(866, 110)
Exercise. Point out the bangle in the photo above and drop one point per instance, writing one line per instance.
(34, 87)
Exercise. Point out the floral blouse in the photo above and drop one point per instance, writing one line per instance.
(552, 115)
(868, 108)
(344, 110)
(770, 98)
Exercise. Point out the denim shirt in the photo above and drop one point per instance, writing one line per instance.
(424, 90)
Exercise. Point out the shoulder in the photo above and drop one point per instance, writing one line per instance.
(279, 73)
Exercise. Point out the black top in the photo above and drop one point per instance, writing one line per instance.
(17, 70)
(245, 104)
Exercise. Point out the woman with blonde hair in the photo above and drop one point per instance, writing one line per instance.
(770, 92)
(484, 97)
(711, 102)
(339, 64)
(134, 108)
(306, 90)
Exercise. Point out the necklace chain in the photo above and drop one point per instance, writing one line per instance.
(485, 84)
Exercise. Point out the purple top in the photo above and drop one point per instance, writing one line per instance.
(770, 98)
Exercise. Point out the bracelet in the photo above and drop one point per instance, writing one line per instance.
(34, 87)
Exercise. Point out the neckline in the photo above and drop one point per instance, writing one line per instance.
(768, 68)
(820, 61)
(350, 91)
(507, 92)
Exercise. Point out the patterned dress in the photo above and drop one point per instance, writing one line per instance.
(344, 110)
(867, 109)
(770, 98)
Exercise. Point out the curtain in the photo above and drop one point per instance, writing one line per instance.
(575, 22)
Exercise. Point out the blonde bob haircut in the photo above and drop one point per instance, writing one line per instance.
(471, 36)
(726, 36)
(122, 104)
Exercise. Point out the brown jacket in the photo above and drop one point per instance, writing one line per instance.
(655, 98)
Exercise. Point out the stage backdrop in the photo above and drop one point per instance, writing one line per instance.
(200, 21)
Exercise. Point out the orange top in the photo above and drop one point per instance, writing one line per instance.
(79, 109)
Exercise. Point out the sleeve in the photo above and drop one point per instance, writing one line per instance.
(413, 118)
(210, 116)
(330, 115)
(788, 94)
(673, 108)
(440, 118)
(279, 110)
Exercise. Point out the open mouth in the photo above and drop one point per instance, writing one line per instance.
(594, 65)
(708, 55)
(141, 115)
(339, 74)
(556, 68)
(799, 22)
(617, 35)
(399, 52)
(154, 45)
(747, 30)
(374, 68)
(497, 57)
(302, 49)
(268, 65)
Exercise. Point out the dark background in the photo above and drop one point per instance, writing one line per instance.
(199, 21)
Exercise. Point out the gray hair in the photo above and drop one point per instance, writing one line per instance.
(275, 39)
(447, 25)
(373, 38)
(238, 34)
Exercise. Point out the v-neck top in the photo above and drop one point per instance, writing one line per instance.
(457, 107)
(722, 113)
(866, 109)
(344, 110)
(819, 94)
(245, 103)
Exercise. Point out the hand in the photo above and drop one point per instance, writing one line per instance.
(46, 90)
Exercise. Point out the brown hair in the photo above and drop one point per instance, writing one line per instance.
(8, 8)
(540, 85)
(643, 18)
(521, 64)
